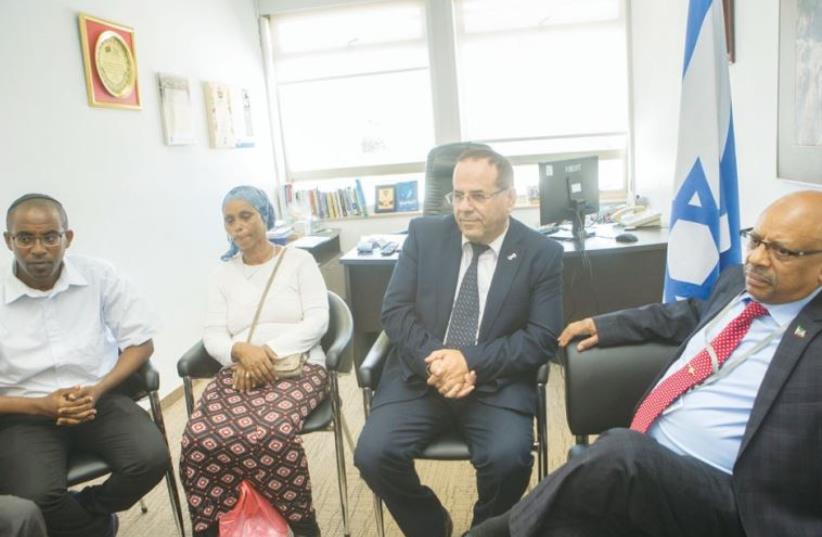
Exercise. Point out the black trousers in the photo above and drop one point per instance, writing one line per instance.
(627, 484)
(20, 518)
(395, 433)
(33, 460)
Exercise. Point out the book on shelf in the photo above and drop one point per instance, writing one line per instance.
(339, 203)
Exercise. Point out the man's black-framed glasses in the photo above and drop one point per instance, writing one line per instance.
(27, 240)
(780, 252)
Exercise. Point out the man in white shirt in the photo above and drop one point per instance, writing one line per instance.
(71, 331)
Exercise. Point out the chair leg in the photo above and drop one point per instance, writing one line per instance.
(367, 396)
(378, 516)
(339, 424)
(174, 497)
(171, 481)
(347, 432)
(542, 432)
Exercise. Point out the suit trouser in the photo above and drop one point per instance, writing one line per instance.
(395, 433)
(628, 484)
(33, 464)
(20, 518)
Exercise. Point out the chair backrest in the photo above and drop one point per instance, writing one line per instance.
(439, 169)
(337, 338)
(603, 385)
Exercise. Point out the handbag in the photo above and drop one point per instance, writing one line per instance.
(284, 366)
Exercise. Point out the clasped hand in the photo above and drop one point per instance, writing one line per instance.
(254, 367)
(71, 406)
(448, 373)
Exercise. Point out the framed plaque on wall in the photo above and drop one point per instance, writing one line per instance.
(110, 63)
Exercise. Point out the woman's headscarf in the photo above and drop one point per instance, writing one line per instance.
(257, 199)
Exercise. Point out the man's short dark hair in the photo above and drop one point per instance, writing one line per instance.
(505, 172)
(36, 199)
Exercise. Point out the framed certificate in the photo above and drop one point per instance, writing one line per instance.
(110, 63)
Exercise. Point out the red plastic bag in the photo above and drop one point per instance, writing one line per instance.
(253, 516)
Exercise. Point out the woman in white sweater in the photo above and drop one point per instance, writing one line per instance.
(245, 426)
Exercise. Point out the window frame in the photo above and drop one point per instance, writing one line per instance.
(443, 71)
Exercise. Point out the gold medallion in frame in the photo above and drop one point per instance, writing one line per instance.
(110, 63)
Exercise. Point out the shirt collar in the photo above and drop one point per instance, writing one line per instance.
(496, 244)
(784, 314)
(14, 288)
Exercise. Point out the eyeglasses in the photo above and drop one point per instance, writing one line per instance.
(27, 240)
(474, 198)
(776, 250)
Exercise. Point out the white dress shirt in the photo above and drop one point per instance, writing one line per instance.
(294, 317)
(71, 334)
(709, 421)
(486, 266)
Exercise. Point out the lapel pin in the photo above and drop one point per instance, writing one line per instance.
(799, 332)
(512, 256)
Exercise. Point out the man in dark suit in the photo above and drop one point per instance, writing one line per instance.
(735, 453)
(472, 309)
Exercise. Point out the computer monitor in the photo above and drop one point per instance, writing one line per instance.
(568, 190)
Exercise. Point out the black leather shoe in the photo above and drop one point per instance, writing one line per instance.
(114, 525)
(307, 527)
(449, 524)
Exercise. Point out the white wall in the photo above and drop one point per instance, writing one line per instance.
(153, 210)
(659, 34)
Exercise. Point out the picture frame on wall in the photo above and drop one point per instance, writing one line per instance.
(385, 199)
(219, 115)
(799, 125)
(175, 106)
(110, 63)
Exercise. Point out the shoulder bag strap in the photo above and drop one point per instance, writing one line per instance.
(265, 293)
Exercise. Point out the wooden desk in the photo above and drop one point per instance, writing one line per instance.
(606, 277)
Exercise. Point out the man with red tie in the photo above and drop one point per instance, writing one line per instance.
(728, 440)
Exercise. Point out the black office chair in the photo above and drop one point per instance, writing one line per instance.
(603, 385)
(439, 169)
(450, 446)
(84, 466)
(196, 363)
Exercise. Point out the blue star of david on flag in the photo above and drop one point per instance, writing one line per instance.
(704, 223)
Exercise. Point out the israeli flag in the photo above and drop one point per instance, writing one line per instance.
(704, 225)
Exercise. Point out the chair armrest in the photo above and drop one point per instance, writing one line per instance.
(341, 328)
(141, 382)
(371, 367)
(603, 385)
(542, 373)
(149, 376)
(197, 363)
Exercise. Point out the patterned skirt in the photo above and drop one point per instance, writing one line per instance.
(233, 436)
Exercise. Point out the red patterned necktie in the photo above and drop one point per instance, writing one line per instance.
(697, 369)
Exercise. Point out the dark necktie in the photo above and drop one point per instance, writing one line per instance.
(697, 369)
(464, 319)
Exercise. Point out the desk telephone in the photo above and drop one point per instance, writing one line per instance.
(636, 216)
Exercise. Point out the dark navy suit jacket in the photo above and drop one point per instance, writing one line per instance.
(777, 477)
(520, 324)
